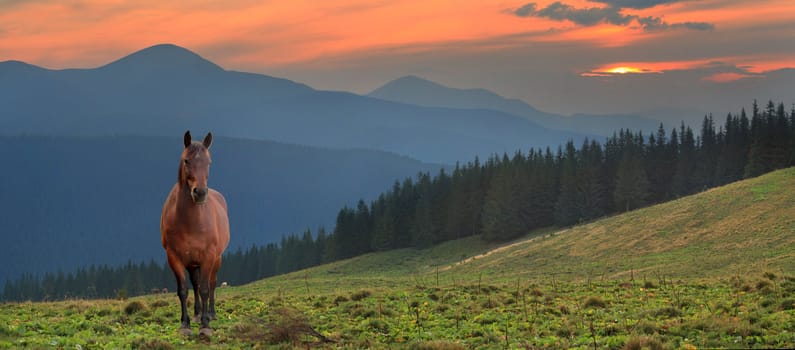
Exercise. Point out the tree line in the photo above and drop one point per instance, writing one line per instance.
(501, 198)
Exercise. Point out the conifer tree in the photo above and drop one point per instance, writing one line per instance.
(501, 219)
(685, 164)
(631, 181)
(706, 156)
(422, 233)
(362, 230)
(568, 208)
(383, 225)
(593, 178)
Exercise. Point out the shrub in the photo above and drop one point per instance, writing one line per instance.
(767, 302)
(646, 327)
(726, 325)
(340, 299)
(134, 307)
(787, 304)
(101, 328)
(158, 303)
(288, 325)
(378, 325)
(568, 329)
(668, 312)
(763, 284)
(364, 293)
(359, 310)
(643, 343)
(595, 302)
(489, 303)
(788, 286)
(449, 296)
(150, 344)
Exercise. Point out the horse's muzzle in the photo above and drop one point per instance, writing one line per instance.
(199, 195)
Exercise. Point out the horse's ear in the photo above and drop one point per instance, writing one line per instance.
(208, 140)
(186, 139)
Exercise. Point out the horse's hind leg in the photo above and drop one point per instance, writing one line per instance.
(182, 292)
(194, 281)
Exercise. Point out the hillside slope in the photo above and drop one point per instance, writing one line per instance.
(745, 227)
(732, 230)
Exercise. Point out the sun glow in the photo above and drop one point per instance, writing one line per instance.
(624, 70)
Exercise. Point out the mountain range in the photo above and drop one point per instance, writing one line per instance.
(418, 91)
(165, 89)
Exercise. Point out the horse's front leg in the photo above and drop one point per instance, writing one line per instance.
(182, 293)
(213, 284)
(204, 292)
(194, 281)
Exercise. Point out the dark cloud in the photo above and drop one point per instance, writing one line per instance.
(587, 17)
(657, 24)
(526, 10)
(610, 15)
(634, 4)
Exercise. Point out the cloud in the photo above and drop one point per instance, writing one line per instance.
(587, 17)
(611, 14)
(650, 24)
(634, 4)
(526, 11)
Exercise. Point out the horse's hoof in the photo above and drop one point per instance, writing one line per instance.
(185, 331)
(206, 331)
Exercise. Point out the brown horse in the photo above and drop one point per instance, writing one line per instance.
(194, 229)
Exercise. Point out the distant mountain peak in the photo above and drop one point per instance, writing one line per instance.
(414, 79)
(409, 82)
(164, 57)
(18, 66)
(420, 91)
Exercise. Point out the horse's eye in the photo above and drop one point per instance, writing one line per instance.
(186, 162)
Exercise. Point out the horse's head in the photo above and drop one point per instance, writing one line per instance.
(195, 167)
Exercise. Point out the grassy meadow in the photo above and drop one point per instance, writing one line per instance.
(714, 270)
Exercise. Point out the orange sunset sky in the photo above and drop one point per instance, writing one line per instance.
(569, 56)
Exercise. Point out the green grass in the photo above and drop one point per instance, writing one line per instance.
(712, 270)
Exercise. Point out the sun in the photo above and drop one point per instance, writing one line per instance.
(624, 70)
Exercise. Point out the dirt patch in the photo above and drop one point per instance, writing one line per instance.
(501, 249)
